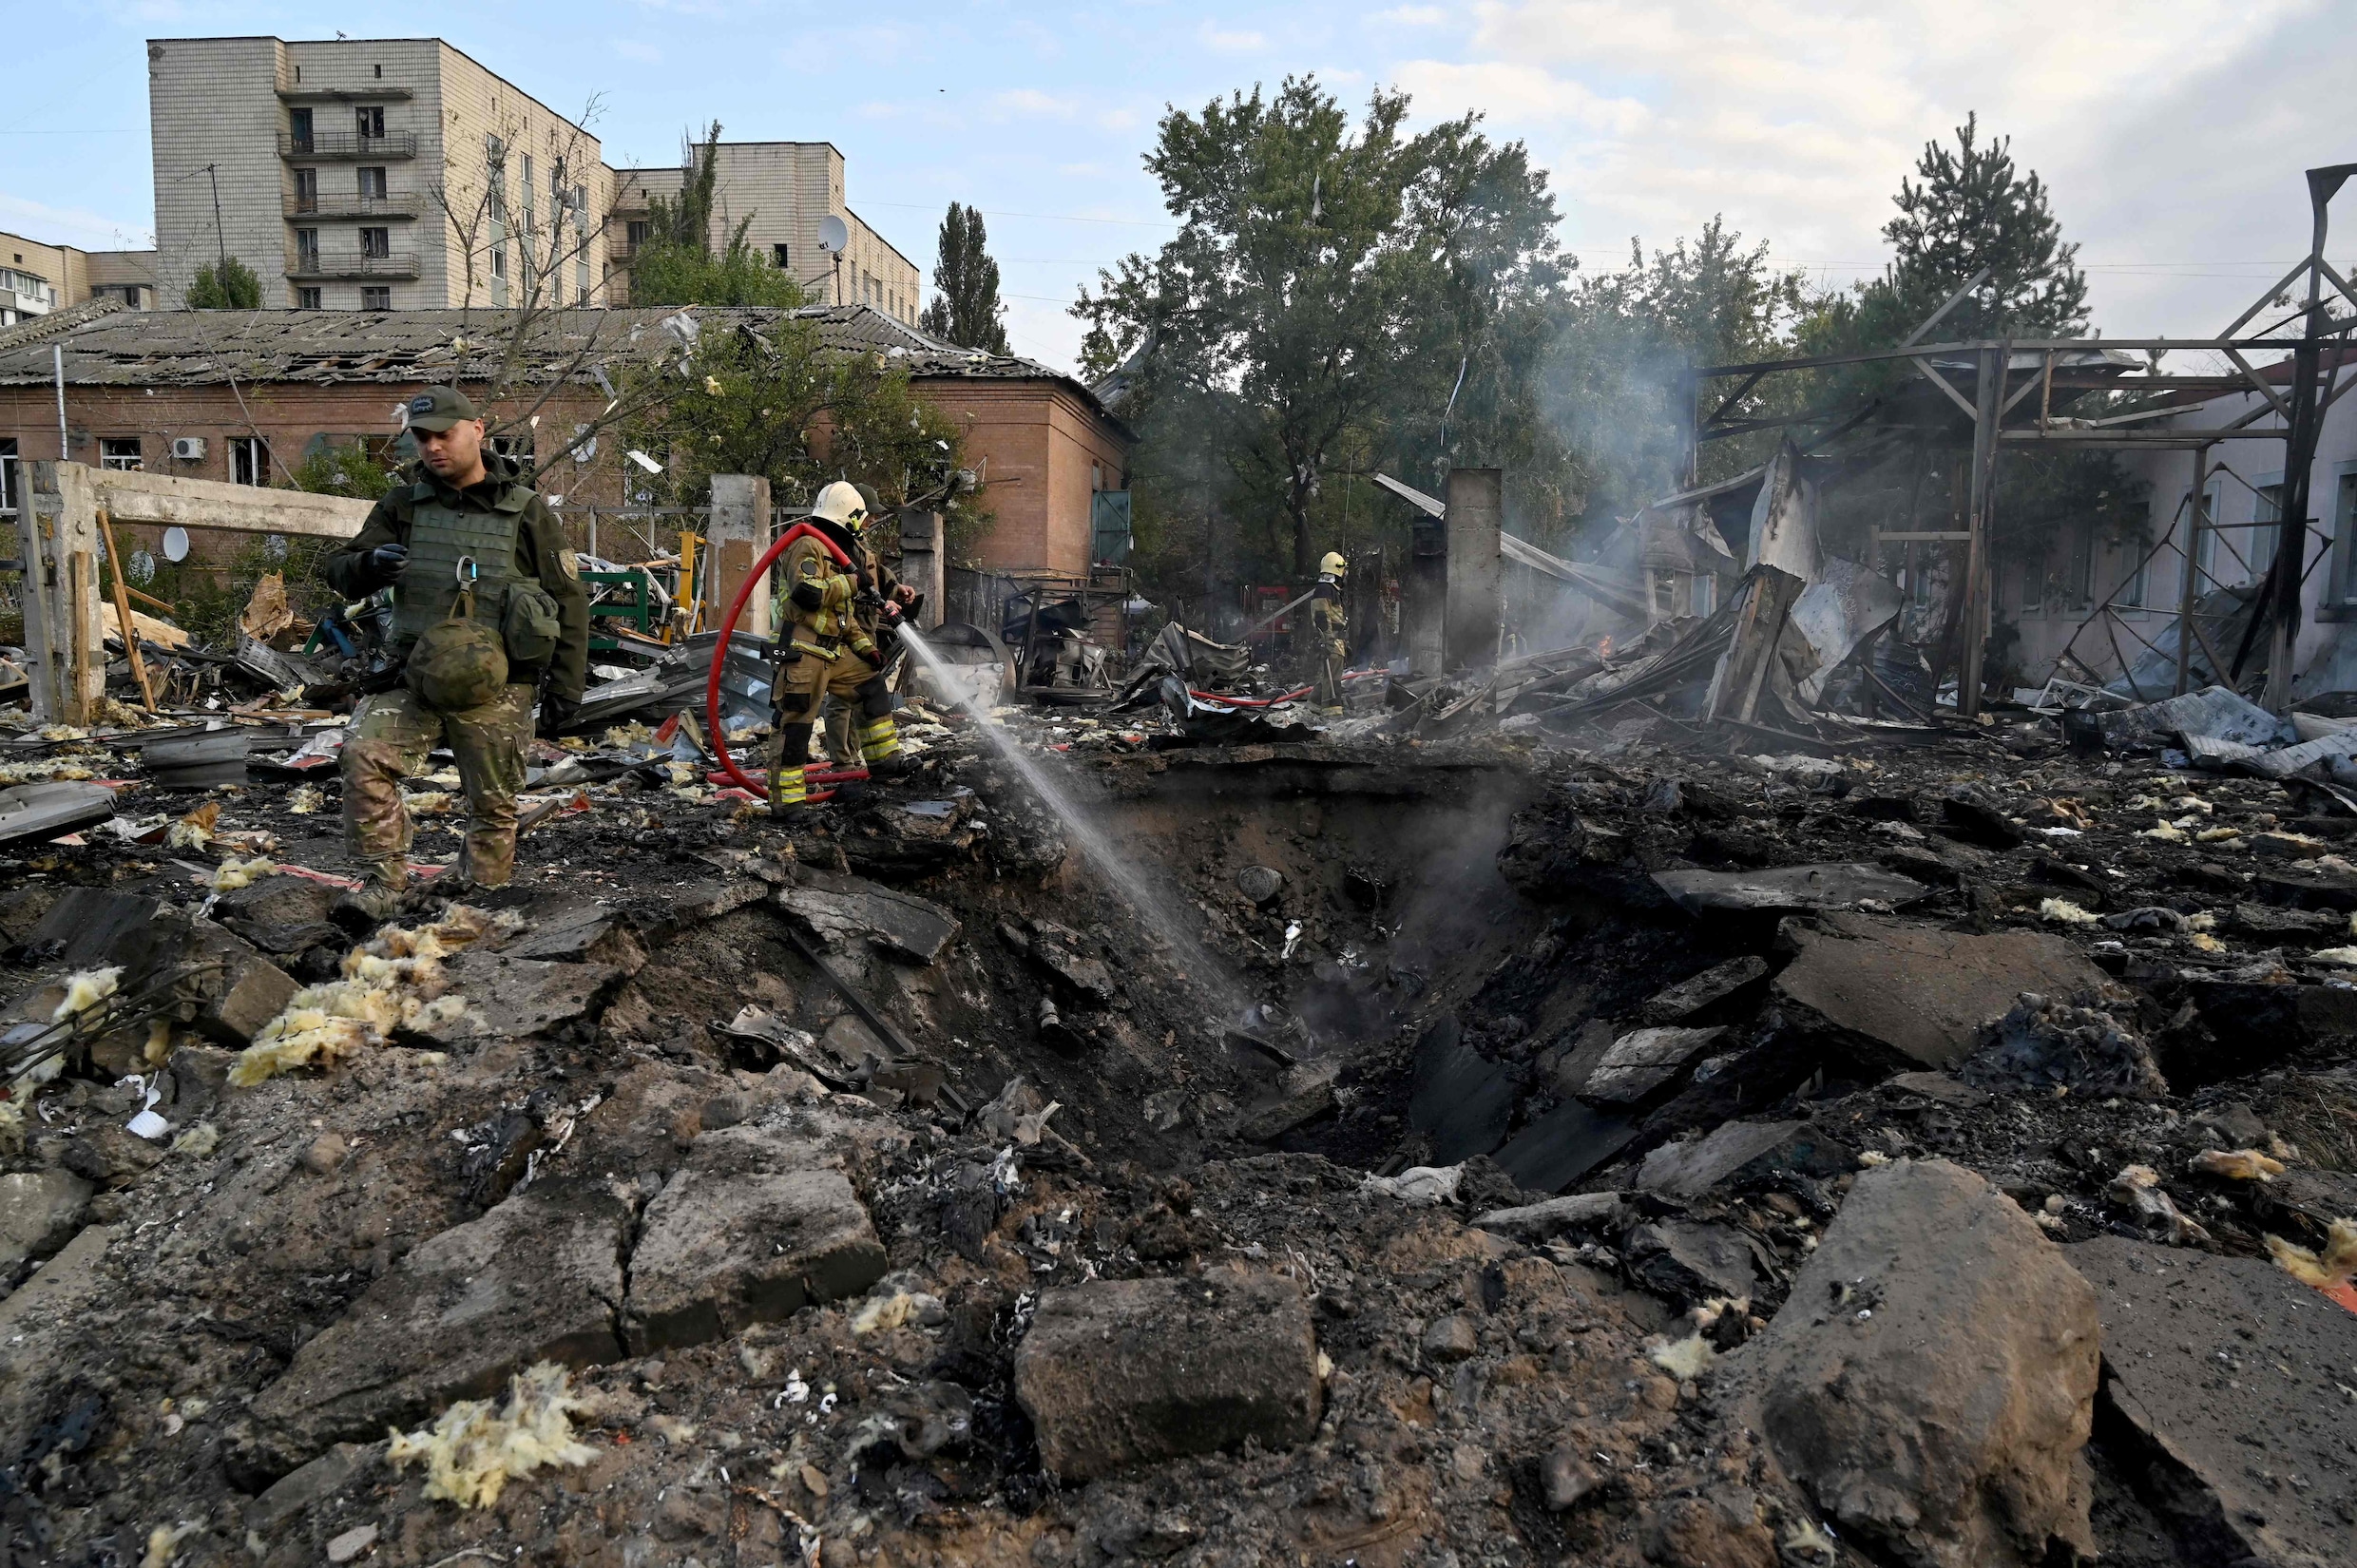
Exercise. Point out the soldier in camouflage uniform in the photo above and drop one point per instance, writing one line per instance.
(462, 514)
(832, 617)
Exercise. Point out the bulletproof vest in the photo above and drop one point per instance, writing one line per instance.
(440, 537)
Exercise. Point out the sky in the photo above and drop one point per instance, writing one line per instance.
(2173, 135)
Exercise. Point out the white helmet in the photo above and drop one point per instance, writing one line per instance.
(1334, 565)
(841, 503)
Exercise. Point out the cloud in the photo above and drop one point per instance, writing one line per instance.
(1117, 120)
(2172, 133)
(630, 48)
(1413, 16)
(76, 226)
(1032, 101)
(1233, 43)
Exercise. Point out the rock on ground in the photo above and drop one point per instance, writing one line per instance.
(2228, 1371)
(39, 1212)
(749, 1230)
(1931, 1378)
(1123, 1372)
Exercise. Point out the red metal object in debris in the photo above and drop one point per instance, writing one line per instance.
(728, 624)
(1247, 702)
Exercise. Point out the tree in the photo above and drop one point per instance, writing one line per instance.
(677, 266)
(966, 310)
(1322, 274)
(231, 286)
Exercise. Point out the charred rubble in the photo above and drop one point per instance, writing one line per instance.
(1503, 1148)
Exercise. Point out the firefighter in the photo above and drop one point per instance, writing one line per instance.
(488, 604)
(1328, 624)
(833, 615)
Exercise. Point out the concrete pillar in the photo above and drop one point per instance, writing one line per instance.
(63, 635)
(1424, 597)
(925, 565)
(737, 535)
(1476, 570)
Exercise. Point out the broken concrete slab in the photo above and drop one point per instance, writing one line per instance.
(752, 1229)
(1563, 1146)
(1458, 1096)
(1906, 996)
(317, 1482)
(40, 1211)
(1643, 1060)
(537, 1278)
(1690, 1261)
(1537, 1221)
(2213, 712)
(1066, 960)
(508, 997)
(84, 926)
(1116, 1373)
(586, 932)
(1931, 1379)
(1743, 1154)
(281, 914)
(1304, 1092)
(2227, 1371)
(841, 910)
(1692, 997)
(1788, 889)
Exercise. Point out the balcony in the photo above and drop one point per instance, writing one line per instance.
(399, 205)
(375, 92)
(328, 144)
(350, 266)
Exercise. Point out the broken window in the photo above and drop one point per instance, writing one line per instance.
(636, 234)
(377, 242)
(2345, 536)
(375, 297)
(371, 120)
(307, 190)
(306, 250)
(306, 300)
(7, 476)
(2267, 508)
(249, 460)
(781, 255)
(120, 452)
(299, 129)
(371, 183)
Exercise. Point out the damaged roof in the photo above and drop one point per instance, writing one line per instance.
(107, 344)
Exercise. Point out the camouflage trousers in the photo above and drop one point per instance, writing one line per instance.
(387, 741)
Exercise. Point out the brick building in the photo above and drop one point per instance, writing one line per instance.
(244, 396)
(37, 279)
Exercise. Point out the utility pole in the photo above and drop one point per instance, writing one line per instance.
(220, 239)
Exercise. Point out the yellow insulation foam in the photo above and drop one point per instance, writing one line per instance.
(473, 1450)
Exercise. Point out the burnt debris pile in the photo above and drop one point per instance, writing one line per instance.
(1923, 1149)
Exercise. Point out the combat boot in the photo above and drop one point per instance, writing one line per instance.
(371, 904)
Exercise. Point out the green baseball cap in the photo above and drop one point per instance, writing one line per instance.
(439, 408)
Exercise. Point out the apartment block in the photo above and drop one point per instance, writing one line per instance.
(787, 190)
(370, 173)
(37, 279)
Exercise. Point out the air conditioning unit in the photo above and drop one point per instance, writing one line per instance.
(188, 449)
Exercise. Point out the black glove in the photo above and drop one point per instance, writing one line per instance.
(386, 561)
(867, 652)
(556, 715)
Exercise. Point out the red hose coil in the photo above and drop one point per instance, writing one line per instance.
(728, 624)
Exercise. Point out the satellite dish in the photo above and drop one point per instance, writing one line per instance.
(176, 543)
(833, 235)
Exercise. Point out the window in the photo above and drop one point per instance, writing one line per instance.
(306, 300)
(119, 451)
(2345, 531)
(377, 242)
(639, 230)
(371, 183)
(2206, 549)
(7, 476)
(2131, 595)
(299, 129)
(518, 446)
(380, 72)
(306, 250)
(249, 460)
(371, 120)
(2261, 551)
(783, 257)
(375, 296)
(498, 263)
(306, 190)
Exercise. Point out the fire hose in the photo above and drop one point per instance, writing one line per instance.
(728, 624)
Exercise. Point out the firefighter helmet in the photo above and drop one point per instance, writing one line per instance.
(841, 503)
(1334, 565)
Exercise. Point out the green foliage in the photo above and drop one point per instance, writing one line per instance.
(774, 402)
(967, 310)
(1339, 296)
(341, 471)
(208, 597)
(678, 265)
(231, 286)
